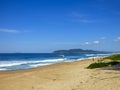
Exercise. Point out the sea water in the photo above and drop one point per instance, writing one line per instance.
(20, 61)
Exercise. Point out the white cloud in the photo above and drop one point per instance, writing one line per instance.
(96, 42)
(85, 21)
(91, 43)
(118, 39)
(11, 31)
(103, 38)
(87, 43)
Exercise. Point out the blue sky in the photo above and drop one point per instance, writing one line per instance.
(47, 25)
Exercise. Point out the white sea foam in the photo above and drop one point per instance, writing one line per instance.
(16, 63)
(36, 65)
(3, 69)
(90, 54)
(46, 61)
(53, 60)
(7, 64)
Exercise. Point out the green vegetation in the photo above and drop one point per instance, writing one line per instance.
(96, 65)
(112, 60)
(113, 57)
(102, 64)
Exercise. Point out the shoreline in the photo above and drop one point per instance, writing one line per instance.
(50, 65)
(61, 76)
(81, 59)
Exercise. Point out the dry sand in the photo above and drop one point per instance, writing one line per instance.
(62, 76)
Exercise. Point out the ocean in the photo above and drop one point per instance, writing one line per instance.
(22, 61)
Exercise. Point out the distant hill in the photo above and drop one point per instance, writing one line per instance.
(77, 51)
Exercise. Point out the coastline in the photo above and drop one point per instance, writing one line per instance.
(61, 76)
(20, 62)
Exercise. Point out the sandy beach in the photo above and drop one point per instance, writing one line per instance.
(61, 76)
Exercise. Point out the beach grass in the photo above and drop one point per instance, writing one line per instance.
(113, 57)
(102, 64)
(97, 65)
(114, 60)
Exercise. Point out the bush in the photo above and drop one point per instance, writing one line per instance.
(102, 64)
(113, 63)
(97, 65)
(113, 57)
